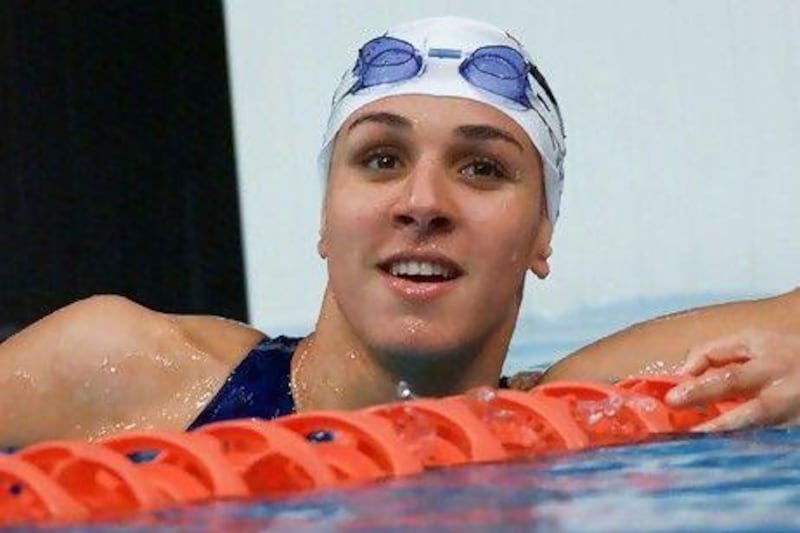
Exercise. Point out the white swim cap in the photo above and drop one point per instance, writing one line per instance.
(451, 56)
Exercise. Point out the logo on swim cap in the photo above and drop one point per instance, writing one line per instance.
(449, 56)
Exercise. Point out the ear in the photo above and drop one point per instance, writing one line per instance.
(322, 243)
(542, 250)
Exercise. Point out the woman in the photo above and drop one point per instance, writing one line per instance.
(444, 162)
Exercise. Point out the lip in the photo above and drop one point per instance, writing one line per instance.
(420, 291)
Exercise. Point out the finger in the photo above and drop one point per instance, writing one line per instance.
(719, 352)
(720, 384)
(749, 414)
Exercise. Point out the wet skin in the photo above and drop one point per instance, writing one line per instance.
(413, 179)
(443, 180)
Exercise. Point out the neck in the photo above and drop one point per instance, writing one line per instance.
(335, 369)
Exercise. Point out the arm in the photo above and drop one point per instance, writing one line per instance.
(661, 345)
(105, 364)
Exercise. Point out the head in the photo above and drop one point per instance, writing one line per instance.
(443, 158)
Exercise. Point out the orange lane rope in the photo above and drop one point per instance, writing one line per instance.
(63, 482)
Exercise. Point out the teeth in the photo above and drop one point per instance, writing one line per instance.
(420, 268)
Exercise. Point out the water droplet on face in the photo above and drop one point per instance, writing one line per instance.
(413, 325)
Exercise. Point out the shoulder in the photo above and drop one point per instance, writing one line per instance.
(107, 362)
(128, 322)
(225, 339)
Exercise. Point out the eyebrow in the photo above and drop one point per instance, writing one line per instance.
(470, 132)
(389, 119)
(483, 132)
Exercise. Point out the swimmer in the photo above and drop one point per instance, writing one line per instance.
(443, 158)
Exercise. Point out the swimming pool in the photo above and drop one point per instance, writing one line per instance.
(745, 481)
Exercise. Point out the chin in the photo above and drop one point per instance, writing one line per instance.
(423, 345)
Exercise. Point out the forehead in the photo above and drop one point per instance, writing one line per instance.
(442, 114)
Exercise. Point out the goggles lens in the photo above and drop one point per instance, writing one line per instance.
(385, 60)
(500, 70)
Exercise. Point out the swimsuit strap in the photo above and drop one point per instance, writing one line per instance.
(258, 387)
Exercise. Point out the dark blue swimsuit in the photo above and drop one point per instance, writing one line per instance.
(260, 386)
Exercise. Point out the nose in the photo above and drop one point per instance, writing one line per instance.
(425, 205)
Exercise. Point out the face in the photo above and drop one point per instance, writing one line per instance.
(433, 214)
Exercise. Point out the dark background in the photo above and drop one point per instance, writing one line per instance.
(117, 170)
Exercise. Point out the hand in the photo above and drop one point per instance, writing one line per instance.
(762, 366)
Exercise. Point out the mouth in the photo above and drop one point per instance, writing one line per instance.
(419, 269)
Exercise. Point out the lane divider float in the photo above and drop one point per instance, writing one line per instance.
(68, 482)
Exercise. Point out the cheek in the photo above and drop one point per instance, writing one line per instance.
(350, 219)
(505, 234)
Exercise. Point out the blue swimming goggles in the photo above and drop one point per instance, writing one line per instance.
(498, 69)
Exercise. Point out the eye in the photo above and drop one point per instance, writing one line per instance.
(381, 161)
(484, 169)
